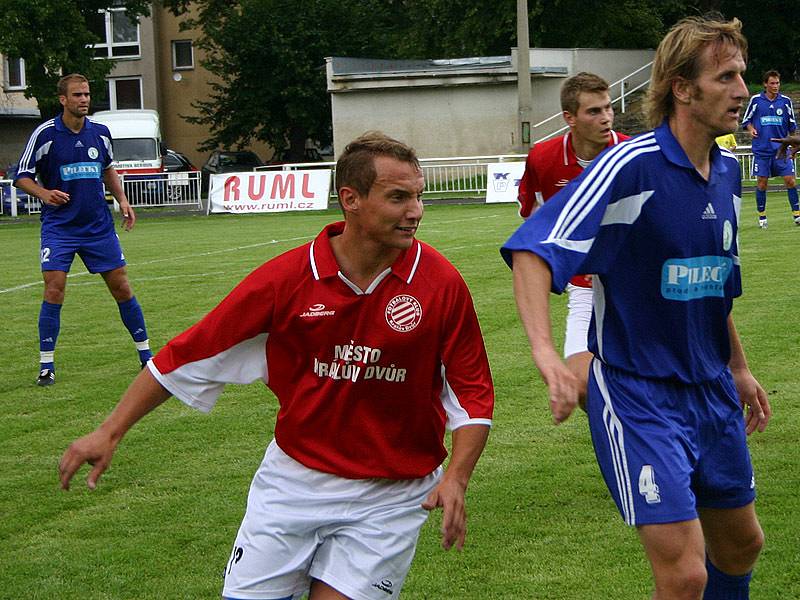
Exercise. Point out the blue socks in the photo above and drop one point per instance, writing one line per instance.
(133, 319)
(49, 326)
(761, 201)
(722, 586)
(792, 192)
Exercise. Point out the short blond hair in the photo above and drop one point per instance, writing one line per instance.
(63, 83)
(679, 55)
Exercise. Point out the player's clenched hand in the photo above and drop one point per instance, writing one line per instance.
(753, 396)
(54, 197)
(95, 449)
(562, 384)
(449, 495)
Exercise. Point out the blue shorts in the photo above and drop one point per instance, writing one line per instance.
(99, 254)
(771, 166)
(666, 448)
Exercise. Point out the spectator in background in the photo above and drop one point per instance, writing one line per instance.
(727, 141)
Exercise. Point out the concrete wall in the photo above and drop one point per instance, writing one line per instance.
(440, 121)
(474, 117)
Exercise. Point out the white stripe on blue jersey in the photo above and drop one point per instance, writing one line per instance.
(591, 189)
(26, 165)
(616, 443)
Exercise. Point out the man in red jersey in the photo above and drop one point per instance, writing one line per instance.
(553, 164)
(369, 339)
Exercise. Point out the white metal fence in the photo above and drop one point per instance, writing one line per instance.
(463, 176)
(466, 175)
(155, 190)
(163, 189)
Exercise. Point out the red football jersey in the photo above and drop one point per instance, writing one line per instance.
(366, 381)
(549, 167)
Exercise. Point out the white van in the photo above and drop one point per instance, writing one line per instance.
(138, 152)
(136, 140)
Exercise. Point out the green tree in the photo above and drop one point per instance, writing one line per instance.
(268, 57)
(54, 39)
(772, 35)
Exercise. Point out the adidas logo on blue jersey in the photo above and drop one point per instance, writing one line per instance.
(79, 144)
(708, 212)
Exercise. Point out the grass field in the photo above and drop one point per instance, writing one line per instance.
(161, 523)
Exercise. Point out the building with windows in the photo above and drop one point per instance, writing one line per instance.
(156, 66)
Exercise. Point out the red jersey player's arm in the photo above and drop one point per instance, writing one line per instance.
(97, 448)
(468, 444)
(528, 186)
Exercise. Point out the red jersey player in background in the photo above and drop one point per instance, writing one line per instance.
(369, 339)
(549, 167)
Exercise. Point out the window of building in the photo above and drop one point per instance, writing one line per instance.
(118, 33)
(122, 93)
(14, 74)
(182, 55)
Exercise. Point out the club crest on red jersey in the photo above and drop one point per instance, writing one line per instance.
(403, 313)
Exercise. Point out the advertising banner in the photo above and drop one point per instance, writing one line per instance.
(502, 181)
(269, 191)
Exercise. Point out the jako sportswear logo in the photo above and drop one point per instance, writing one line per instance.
(403, 313)
(317, 310)
(385, 585)
(708, 212)
(562, 182)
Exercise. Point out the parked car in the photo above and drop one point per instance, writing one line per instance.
(310, 154)
(22, 198)
(182, 176)
(228, 161)
(175, 162)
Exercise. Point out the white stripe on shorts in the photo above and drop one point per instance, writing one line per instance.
(616, 443)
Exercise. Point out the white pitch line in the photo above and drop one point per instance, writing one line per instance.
(23, 286)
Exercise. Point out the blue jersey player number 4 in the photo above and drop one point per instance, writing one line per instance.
(655, 220)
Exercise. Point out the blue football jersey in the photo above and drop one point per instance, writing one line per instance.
(73, 163)
(662, 243)
(771, 119)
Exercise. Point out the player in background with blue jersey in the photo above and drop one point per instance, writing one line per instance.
(655, 220)
(71, 155)
(770, 115)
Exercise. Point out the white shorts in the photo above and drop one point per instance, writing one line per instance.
(356, 535)
(579, 315)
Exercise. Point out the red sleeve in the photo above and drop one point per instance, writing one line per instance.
(528, 186)
(469, 392)
(227, 346)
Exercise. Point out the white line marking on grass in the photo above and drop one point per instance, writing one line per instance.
(24, 286)
(99, 281)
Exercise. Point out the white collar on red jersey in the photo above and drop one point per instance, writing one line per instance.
(323, 261)
(569, 152)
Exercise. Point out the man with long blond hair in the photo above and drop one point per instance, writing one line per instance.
(655, 220)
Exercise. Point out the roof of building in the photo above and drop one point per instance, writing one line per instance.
(343, 66)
